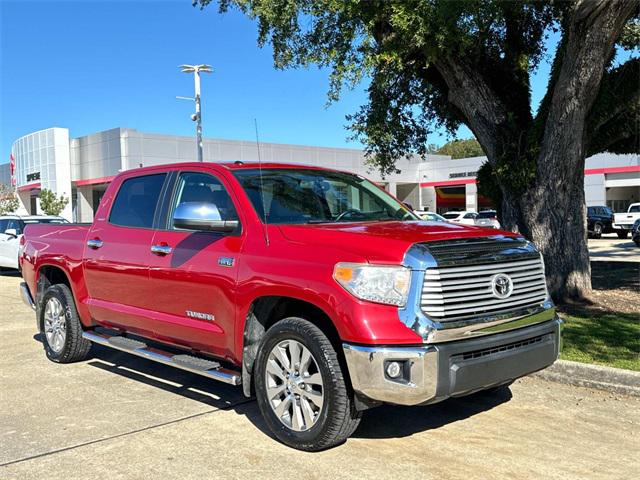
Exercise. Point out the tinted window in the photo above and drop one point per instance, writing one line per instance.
(590, 211)
(287, 196)
(16, 225)
(487, 215)
(136, 201)
(3, 225)
(635, 208)
(205, 188)
(451, 216)
(471, 215)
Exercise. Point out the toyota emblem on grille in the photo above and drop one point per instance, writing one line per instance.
(502, 285)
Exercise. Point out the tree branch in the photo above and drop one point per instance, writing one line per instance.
(480, 105)
(591, 33)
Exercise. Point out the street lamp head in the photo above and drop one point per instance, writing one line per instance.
(196, 68)
(205, 68)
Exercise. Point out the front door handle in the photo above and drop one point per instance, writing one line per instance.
(161, 249)
(94, 243)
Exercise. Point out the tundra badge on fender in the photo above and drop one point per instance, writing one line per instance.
(200, 315)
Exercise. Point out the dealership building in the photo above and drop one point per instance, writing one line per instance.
(81, 168)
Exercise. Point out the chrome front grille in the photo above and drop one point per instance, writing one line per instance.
(457, 292)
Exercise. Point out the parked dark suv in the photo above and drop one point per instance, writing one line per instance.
(599, 220)
(635, 232)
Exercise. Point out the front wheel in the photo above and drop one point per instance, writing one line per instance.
(622, 233)
(301, 389)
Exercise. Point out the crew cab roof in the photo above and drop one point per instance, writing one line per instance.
(236, 165)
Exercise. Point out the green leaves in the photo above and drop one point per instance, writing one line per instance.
(398, 47)
(8, 200)
(51, 204)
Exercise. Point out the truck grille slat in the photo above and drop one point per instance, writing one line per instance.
(475, 294)
(482, 279)
(463, 288)
(483, 268)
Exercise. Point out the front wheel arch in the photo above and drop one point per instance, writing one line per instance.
(268, 310)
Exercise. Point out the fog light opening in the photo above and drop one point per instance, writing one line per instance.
(394, 369)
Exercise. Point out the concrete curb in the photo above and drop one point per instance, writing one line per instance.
(615, 380)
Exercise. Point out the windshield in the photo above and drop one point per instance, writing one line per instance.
(318, 196)
(451, 216)
(433, 217)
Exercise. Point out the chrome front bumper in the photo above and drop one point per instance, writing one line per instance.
(432, 373)
(25, 294)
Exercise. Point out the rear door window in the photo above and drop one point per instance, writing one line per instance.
(136, 201)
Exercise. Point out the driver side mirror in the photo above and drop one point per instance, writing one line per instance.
(202, 216)
(12, 232)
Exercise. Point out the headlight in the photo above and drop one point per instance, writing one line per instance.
(380, 284)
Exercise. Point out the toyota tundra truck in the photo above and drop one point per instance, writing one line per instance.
(313, 289)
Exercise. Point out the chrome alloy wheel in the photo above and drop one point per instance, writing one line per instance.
(55, 324)
(294, 385)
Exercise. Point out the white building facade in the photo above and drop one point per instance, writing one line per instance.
(81, 169)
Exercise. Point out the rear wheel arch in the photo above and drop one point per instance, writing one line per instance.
(49, 275)
(268, 310)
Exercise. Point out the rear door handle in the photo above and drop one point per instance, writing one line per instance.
(161, 249)
(94, 243)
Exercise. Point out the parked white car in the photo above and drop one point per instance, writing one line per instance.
(622, 222)
(11, 229)
(465, 217)
(429, 216)
(488, 218)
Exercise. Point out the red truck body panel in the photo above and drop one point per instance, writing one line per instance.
(123, 285)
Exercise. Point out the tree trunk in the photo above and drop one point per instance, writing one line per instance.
(554, 215)
(553, 209)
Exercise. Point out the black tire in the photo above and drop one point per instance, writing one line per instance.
(338, 418)
(75, 348)
(622, 233)
(597, 230)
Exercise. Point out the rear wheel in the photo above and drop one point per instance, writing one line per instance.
(300, 387)
(622, 233)
(597, 230)
(61, 327)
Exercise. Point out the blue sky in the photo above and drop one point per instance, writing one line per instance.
(91, 66)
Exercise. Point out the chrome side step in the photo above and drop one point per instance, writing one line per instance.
(201, 366)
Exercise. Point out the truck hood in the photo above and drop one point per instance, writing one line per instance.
(380, 242)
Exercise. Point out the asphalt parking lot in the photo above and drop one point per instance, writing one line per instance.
(120, 417)
(613, 249)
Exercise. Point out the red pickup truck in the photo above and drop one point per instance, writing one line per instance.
(312, 288)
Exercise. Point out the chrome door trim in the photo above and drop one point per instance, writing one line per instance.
(95, 243)
(161, 249)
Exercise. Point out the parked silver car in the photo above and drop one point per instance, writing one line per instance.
(488, 218)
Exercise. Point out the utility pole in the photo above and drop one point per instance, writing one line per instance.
(197, 117)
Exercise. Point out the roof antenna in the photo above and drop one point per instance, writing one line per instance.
(264, 204)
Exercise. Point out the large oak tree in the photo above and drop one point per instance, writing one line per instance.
(435, 63)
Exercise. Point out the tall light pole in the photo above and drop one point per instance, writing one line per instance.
(197, 117)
